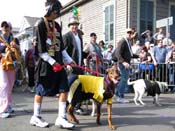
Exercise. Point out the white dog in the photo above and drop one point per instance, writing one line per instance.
(153, 88)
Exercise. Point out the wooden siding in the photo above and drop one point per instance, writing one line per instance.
(133, 14)
(121, 17)
(91, 18)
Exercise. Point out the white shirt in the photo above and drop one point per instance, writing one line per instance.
(78, 43)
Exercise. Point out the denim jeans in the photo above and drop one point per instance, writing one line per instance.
(122, 85)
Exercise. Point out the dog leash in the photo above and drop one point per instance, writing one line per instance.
(83, 68)
(97, 73)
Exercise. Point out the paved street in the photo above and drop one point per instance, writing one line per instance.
(127, 117)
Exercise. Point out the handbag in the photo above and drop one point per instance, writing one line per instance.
(11, 60)
(149, 66)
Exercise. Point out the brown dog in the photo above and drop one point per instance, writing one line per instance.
(86, 87)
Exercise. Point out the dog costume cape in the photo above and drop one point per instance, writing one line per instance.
(152, 88)
(90, 84)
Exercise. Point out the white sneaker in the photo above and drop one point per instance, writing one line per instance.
(122, 100)
(38, 121)
(4, 115)
(64, 123)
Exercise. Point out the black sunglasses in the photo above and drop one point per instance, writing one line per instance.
(129, 32)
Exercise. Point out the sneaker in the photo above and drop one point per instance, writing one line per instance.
(38, 121)
(4, 115)
(79, 111)
(64, 123)
(10, 110)
(32, 90)
(122, 100)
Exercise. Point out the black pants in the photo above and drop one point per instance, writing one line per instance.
(31, 81)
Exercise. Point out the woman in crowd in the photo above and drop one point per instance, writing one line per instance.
(7, 77)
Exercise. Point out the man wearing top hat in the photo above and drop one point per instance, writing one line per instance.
(74, 43)
(74, 46)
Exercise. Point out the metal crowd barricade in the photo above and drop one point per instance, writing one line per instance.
(163, 72)
(94, 64)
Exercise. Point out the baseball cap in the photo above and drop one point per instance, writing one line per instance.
(92, 34)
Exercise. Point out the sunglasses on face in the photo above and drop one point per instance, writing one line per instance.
(129, 32)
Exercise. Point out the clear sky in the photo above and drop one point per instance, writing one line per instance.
(14, 10)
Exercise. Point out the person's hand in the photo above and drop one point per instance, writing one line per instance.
(73, 63)
(155, 63)
(15, 63)
(126, 65)
(57, 67)
(69, 67)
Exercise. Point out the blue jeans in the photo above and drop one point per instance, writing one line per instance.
(122, 85)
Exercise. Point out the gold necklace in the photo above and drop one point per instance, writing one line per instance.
(50, 33)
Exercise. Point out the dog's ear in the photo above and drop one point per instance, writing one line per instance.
(107, 70)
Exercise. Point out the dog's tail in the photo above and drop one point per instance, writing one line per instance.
(130, 82)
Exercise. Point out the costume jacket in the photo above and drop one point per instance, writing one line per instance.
(44, 72)
(90, 84)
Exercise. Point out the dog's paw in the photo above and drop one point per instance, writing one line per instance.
(75, 120)
(143, 104)
(98, 121)
(137, 104)
(112, 127)
(93, 114)
(158, 104)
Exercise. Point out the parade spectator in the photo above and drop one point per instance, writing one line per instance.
(102, 45)
(51, 78)
(145, 56)
(94, 50)
(30, 66)
(170, 63)
(159, 35)
(107, 54)
(135, 37)
(167, 41)
(7, 77)
(145, 59)
(124, 55)
(160, 55)
(146, 35)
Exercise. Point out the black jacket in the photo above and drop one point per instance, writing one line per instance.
(123, 53)
(72, 49)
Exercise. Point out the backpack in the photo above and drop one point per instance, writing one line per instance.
(11, 60)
